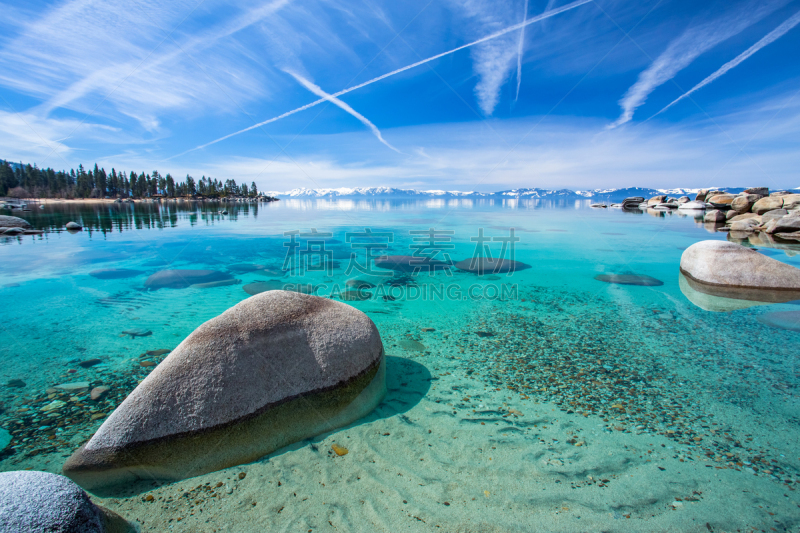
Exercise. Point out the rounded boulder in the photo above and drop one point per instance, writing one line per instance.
(768, 203)
(13, 222)
(33, 502)
(734, 271)
(275, 369)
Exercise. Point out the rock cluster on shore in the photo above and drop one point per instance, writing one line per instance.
(276, 368)
(12, 226)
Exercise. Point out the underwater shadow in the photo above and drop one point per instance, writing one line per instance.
(407, 383)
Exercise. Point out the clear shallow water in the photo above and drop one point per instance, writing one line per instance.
(602, 406)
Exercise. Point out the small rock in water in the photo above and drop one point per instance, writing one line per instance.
(138, 333)
(74, 226)
(147, 363)
(245, 267)
(214, 284)
(74, 386)
(789, 320)
(17, 383)
(359, 284)
(484, 334)
(5, 439)
(629, 279)
(158, 352)
(340, 450)
(99, 392)
(89, 363)
(53, 406)
(115, 273)
(355, 296)
(408, 344)
(427, 330)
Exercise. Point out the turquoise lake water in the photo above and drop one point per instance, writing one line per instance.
(605, 406)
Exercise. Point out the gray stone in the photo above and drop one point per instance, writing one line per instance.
(655, 200)
(761, 191)
(744, 202)
(734, 271)
(275, 369)
(701, 195)
(774, 214)
(767, 203)
(748, 224)
(721, 200)
(36, 502)
(484, 265)
(73, 226)
(783, 225)
(683, 199)
(714, 216)
(13, 222)
(791, 201)
(180, 279)
(745, 216)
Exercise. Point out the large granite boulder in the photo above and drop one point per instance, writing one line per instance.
(761, 191)
(275, 369)
(655, 200)
(714, 216)
(744, 202)
(36, 502)
(790, 201)
(180, 279)
(748, 224)
(734, 271)
(721, 200)
(701, 195)
(783, 225)
(13, 222)
(767, 203)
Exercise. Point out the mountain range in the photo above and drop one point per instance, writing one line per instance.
(606, 195)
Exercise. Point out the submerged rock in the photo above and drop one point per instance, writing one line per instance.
(630, 279)
(14, 222)
(36, 502)
(485, 265)
(138, 332)
(275, 369)
(710, 302)
(213, 284)
(115, 273)
(180, 279)
(355, 296)
(16, 383)
(257, 287)
(412, 345)
(98, 392)
(155, 353)
(731, 270)
(409, 263)
(89, 363)
(244, 267)
(789, 320)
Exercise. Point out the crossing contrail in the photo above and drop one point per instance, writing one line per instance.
(769, 38)
(495, 35)
(519, 51)
(335, 101)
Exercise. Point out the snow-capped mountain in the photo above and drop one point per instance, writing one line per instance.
(607, 195)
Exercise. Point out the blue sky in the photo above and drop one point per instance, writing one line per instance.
(572, 97)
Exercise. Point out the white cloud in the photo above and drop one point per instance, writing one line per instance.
(338, 103)
(770, 38)
(693, 42)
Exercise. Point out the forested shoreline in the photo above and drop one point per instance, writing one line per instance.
(29, 181)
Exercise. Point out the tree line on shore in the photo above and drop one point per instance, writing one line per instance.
(26, 181)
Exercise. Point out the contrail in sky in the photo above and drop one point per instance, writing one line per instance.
(769, 38)
(519, 51)
(335, 101)
(495, 35)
